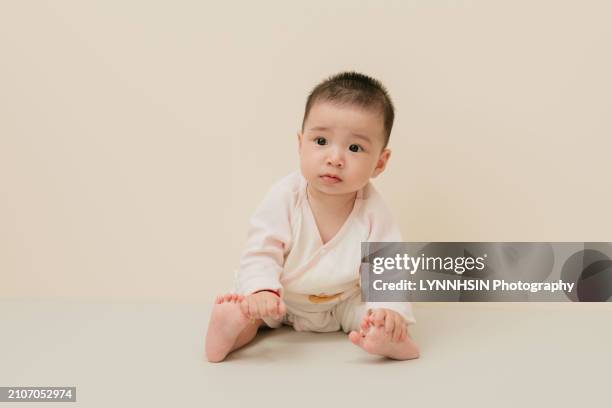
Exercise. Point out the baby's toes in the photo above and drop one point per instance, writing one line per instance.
(227, 297)
(356, 338)
(365, 323)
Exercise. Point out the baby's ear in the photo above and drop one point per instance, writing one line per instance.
(381, 164)
(299, 137)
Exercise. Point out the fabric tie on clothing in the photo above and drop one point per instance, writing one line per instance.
(321, 298)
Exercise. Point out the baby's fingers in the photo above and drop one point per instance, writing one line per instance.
(271, 308)
(404, 334)
(262, 308)
(253, 309)
(378, 317)
(389, 323)
(282, 309)
(400, 327)
(244, 307)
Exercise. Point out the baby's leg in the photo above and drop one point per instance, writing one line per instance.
(376, 340)
(228, 329)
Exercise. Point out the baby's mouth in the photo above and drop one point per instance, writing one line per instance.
(330, 178)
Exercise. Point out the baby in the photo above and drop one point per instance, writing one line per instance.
(302, 258)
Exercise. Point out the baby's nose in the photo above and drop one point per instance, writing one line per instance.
(335, 160)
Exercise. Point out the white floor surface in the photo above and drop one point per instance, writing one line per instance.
(129, 355)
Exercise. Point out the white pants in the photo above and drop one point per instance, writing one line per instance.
(345, 312)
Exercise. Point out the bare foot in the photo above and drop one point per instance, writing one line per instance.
(375, 340)
(226, 324)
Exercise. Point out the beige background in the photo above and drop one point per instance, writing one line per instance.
(137, 138)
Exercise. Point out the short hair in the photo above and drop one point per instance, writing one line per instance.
(353, 88)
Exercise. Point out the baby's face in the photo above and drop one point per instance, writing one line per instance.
(341, 147)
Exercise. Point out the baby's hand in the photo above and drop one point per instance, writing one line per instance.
(391, 320)
(263, 304)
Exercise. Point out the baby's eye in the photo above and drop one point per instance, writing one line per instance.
(355, 148)
(321, 141)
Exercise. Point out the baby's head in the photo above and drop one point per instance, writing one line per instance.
(346, 128)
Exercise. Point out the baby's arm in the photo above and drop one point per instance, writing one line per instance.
(237, 316)
(383, 228)
(269, 236)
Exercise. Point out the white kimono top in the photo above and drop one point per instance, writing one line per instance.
(284, 251)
